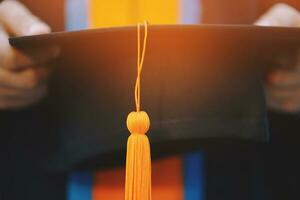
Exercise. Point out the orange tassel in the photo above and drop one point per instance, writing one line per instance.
(138, 161)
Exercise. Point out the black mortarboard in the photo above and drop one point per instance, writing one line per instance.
(201, 83)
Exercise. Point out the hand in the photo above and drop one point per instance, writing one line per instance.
(22, 81)
(283, 84)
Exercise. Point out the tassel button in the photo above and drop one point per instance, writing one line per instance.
(138, 122)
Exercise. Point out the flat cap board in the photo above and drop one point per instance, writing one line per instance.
(200, 83)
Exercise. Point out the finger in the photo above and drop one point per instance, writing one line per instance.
(9, 92)
(26, 79)
(284, 79)
(283, 100)
(19, 21)
(276, 104)
(11, 58)
(287, 107)
(7, 54)
(13, 93)
(25, 100)
(291, 106)
(284, 94)
(37, 57)
(22, 61)
(280, 15)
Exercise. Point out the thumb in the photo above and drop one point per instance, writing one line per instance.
(280, 15)
(19, 21)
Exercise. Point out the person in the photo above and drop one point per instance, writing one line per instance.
(269, 171)
(23, 84)
(283, 84)
(24, 137)
(279, 98)
(283, 99)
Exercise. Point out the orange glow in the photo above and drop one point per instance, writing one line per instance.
(104, 13)
(167, 181)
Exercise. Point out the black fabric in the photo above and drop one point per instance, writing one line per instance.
(250, 171)
(281, 158)
(189, 94)
(26, 137)
(193, 99)
(26, 143)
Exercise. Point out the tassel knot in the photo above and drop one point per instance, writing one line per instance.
(138, 122)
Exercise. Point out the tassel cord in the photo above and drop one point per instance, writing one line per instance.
(140, 62)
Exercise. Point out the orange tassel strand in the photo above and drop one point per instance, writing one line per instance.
(138, 161)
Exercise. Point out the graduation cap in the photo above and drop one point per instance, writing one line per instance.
(201, 84)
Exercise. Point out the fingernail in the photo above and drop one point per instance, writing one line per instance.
(38, 28)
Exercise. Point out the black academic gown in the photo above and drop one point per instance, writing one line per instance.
(27, 138)
(26, 143)
(269, 171)
(257, 171)
(30, 144)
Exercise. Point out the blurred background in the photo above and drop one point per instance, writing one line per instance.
(188, 173)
